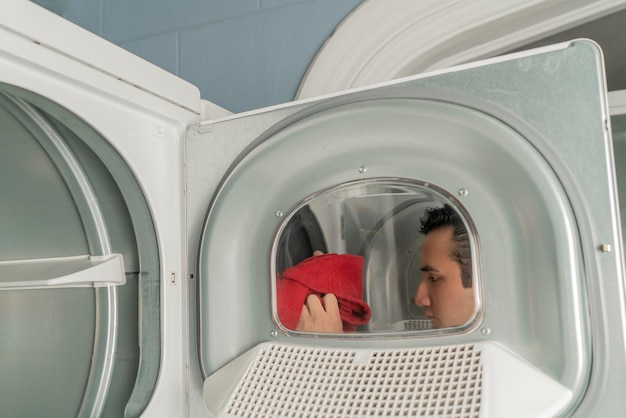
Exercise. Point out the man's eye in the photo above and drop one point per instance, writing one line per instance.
(433, 278)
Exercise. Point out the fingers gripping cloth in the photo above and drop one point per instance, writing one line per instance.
(340, 274)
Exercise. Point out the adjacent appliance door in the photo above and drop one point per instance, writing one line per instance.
(90, 184)
(518, 147)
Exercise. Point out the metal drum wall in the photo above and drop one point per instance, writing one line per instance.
(72, 220)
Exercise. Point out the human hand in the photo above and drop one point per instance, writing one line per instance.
(316, 317)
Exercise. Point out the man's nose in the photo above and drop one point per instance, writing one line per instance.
(421, 297)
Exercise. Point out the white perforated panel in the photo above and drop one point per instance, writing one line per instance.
(298, 382)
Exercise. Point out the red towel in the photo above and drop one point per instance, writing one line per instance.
(340, 274)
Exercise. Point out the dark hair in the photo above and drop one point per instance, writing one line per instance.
(438, 218)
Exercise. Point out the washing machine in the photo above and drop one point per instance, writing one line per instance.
(146, 233)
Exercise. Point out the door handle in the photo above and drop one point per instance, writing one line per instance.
(62, 272)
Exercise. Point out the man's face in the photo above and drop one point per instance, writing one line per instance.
(441, 293)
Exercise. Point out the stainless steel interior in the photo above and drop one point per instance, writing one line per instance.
(521, 144)
(378, 219)
(524, 206)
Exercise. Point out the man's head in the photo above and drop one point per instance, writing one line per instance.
(445, 292)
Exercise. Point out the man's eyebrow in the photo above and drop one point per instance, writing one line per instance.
(429, 268)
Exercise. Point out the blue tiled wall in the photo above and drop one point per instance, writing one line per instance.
(242, 54)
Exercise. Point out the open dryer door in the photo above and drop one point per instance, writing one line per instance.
(91, 223)
(518, 147)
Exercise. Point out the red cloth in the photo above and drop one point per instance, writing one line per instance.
(340, 274)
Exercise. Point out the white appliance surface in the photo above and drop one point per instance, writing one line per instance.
(217, 191)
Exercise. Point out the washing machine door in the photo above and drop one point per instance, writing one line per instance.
(90, 156)
(517, 148)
